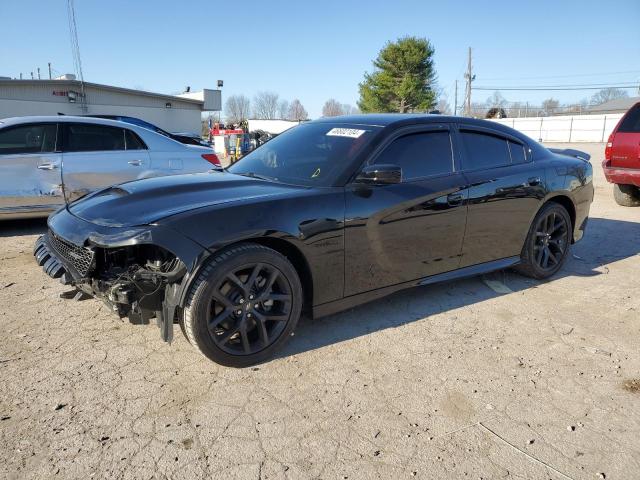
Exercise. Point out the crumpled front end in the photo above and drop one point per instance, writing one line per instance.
(136, 271)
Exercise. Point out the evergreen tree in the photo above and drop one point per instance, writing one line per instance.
(403, 80)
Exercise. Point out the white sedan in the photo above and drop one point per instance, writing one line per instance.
(46, 162)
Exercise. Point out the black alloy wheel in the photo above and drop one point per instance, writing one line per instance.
(243, 305)
(547, 243)
(551, 241)
(249, 308)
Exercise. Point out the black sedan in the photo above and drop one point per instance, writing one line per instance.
(326, 216)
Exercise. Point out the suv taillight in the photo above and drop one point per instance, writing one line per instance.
(607, 149)
(212, 158)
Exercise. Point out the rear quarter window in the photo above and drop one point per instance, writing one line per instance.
(631, 121)
(518, 152)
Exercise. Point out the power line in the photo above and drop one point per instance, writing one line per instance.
(531, 89)
(608, 84)
(564, 76)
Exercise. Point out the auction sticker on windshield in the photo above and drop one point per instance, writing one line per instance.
(345, 132)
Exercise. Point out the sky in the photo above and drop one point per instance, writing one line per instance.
(314, 50)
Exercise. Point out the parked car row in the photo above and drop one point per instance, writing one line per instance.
(46, 162)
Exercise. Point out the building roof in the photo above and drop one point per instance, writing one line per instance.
(77, 84)
(60, 119)
(619, 105)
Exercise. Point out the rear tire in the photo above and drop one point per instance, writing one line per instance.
(547, 243)
(243, 305)
(626, 195)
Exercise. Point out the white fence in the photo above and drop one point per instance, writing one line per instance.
(565, 128)
(271, 126)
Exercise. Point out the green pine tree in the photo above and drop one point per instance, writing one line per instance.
(403, 79)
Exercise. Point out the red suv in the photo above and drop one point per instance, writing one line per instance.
(622, 159)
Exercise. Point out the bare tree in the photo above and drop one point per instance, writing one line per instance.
(265, 105)
(237, 108)
(348, 109)
(496, 100)
(550, 106)
(608, 94)
(578, 107)
(283, 109)
(443, 105)
(297, 111)
(332, 108)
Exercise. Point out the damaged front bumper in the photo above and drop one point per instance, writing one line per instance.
(139, 272)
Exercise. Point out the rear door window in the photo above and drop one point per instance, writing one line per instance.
(518, 152)
(631, 121)
(484, 150)
(33, 138)
(87, 137)
(420, 155)
(133, 141)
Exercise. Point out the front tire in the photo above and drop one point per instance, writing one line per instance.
(547, 243)
(626, 195)
(243, 306)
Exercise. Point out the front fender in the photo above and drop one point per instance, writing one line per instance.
(311, 222)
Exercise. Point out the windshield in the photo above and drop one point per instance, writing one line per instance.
(311, 154)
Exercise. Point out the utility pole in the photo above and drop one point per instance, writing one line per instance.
(38, 73)
(470, 78)
(49, 70)
(455, 104)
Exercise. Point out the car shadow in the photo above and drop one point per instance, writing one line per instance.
(606, 241)
(27, 226)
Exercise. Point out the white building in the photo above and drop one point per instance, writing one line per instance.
(180, 113)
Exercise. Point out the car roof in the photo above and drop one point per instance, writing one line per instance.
(388, 119)
(4, 122)
(394, 120)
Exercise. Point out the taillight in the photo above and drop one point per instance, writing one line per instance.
(607, 149)
(212, 158)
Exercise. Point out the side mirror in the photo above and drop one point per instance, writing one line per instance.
(380, 175)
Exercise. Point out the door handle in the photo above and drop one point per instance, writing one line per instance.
(47, 166)
(454, 199)
(135, 163)
(534, 181)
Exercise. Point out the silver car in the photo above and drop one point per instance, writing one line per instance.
(46, 162)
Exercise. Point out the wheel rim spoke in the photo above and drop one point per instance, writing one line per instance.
(235, 280)
(222, 299)
(273, 276)
(277, 297)
(254, 276)
(262, 329)
(223, 315)
(545, 257)
(245, 339)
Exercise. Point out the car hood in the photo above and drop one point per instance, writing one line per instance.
(146, 201)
